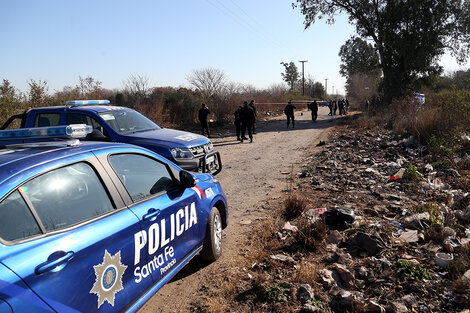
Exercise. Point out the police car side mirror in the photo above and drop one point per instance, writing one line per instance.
(187, 180)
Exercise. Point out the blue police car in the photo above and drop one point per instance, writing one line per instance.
(93, 226)
(190, 151)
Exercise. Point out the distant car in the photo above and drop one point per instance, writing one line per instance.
(93, 226)
(190, 151)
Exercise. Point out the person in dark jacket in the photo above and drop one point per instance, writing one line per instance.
(252, 106)
(247, 118)
(237, 122)
(203, 113)
(289, 112)
(314, 108)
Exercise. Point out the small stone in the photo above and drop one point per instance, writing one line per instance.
(367, 242)
(282, 258)
(363, 272)
(309, 308)
(305, 293)
(334, 237)
(374, 307)
(327, 277)
(346, 276)
(398, 307)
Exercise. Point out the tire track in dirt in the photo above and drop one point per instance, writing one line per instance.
(252, 174)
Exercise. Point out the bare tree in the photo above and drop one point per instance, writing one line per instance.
(89, 88)
(37, 92)
(137, 86)
(210, 82)
(278, 90)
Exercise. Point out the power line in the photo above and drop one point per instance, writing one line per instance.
(241, 21)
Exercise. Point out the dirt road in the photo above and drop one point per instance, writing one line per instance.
(252, 174)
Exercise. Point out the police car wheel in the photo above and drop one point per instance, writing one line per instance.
(212, 248)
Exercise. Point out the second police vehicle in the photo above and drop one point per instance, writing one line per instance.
(97, 227)
(120, 124)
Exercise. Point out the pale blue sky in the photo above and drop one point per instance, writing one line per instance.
(60, 40)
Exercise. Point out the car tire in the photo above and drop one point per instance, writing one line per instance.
(212, 248)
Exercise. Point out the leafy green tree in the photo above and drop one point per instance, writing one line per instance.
(181, 105)
(358, 57)
(291, 74)
(314, 89)
(11, 101)
(409, 36)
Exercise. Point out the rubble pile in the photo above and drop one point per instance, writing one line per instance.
(397, 220)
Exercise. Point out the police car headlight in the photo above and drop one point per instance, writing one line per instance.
(181, 153)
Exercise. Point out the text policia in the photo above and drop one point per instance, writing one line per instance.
(156, 238)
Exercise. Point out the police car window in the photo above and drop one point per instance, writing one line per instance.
(77, 118)
(67, 196)
(141, 175)
(128, 121)
(47, 119)
(16, 220)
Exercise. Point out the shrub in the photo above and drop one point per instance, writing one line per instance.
(294, 206)
(275, 293)
(411, 173)
(404, 268)
(311, 234)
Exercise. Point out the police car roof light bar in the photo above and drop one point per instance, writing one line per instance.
(69, 131)
(86, 102)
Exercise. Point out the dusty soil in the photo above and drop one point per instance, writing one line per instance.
(253, 175)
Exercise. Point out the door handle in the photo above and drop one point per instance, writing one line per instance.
(151, 215)
(53, 262)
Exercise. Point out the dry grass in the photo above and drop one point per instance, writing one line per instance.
(367, 122)
(311, 235)
(306, 273)
(294, 206)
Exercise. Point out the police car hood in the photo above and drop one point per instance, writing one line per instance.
(168, 137)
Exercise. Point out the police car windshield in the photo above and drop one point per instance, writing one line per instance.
(128, 121)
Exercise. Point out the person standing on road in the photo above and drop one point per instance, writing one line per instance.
(330, 106)
(335, 107)
(203, 113)
(237, 122)
(247, 117)
(252, 106)
(341, 106)
(314, 108)
(289, 111)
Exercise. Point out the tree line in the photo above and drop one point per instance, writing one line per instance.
(398, 43)
(168, 106)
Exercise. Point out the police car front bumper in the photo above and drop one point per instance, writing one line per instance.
(209, 163)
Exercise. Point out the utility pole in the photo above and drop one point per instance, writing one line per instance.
(326, 87)
(332, 90)
(303, 77)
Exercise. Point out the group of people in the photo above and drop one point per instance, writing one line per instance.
(289, 112)
(245, 120)
(245, 116)
(341, 104)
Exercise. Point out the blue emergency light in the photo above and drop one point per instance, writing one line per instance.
(87, 102)
(70, 131)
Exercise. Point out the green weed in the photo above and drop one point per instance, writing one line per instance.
(411, 173)
(404, 268)
(275, 293)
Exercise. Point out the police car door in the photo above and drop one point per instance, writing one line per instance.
(170, 217)
(78, 254)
